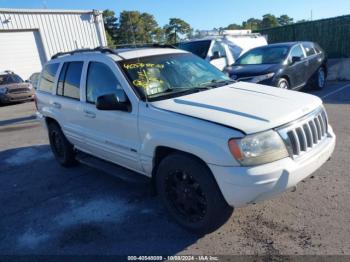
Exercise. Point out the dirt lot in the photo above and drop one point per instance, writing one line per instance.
(46, 209)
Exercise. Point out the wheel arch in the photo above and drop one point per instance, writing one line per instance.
(161, 152)
(287, 78)
(50, 120)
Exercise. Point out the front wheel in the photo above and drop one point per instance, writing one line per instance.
(191, 194)
(283, 83)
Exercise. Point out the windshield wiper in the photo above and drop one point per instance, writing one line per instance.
(180, 91)
(217, 83)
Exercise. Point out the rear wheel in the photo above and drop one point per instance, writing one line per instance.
(60, 146)
(191, 194)
(283, 83)
(320, 79)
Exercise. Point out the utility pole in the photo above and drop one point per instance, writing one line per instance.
(312, 15)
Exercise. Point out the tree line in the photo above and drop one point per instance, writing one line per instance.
(134, 27)
(267, 21)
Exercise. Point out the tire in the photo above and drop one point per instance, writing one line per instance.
(320, 79)
(60, 146)
(190, 194)
(283, 83)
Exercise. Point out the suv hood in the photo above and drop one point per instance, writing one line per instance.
(253, 70)
(248, 107)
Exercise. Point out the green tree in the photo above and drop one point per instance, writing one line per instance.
(302, 21)
(136, 27)
(269, 21)
(252, 24)
(150, 27)
(285, 20)
(111, 27)
(158, 35)
(233, 27)
(175, 27)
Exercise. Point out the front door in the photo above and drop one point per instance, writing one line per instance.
(110, 135)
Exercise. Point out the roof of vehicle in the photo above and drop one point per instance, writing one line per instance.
(131, 53)
(222, 37)
(118, 54)
(287, 44)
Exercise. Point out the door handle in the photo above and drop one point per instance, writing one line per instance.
(56, 105)
(89, 114)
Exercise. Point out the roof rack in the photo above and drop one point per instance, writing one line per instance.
(86, 50)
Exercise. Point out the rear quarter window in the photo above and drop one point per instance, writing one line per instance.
(47, 79)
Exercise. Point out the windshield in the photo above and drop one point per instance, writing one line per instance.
(263, 55)
(165, 76)
(199, 48)
(10, 79)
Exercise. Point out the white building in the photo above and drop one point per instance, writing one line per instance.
(29, 37)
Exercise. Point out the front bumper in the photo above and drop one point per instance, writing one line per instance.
(241, 186)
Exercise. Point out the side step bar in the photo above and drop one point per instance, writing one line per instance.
(112, 169)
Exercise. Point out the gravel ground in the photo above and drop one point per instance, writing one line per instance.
(47, 209)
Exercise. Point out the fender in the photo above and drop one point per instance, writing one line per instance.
(163, 128)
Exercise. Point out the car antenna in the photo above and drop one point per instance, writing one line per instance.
(138, 58)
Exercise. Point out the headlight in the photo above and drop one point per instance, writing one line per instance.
(258, 149)
(3, 90)
(258, 79)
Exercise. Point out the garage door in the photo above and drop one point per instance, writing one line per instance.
(20, 52)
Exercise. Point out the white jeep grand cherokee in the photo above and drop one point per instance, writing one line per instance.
(209, 144)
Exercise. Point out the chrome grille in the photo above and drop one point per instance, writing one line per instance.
(304, 134)
(19, 90)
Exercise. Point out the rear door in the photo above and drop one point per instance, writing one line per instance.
(313, 59)
(66, 105)
(111, 135)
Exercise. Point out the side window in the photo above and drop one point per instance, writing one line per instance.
(69, 80)
(218, 47)
(48, 77)
(96, 85)
(309, 49)
(297, 51)
(318, 49)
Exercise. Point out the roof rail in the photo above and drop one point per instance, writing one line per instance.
(86, 50)
(155, 45)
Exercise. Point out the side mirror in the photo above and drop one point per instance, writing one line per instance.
(216, 55)
(296, 59)
(116, 101)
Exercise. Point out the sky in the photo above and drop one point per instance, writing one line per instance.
(200, 14)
